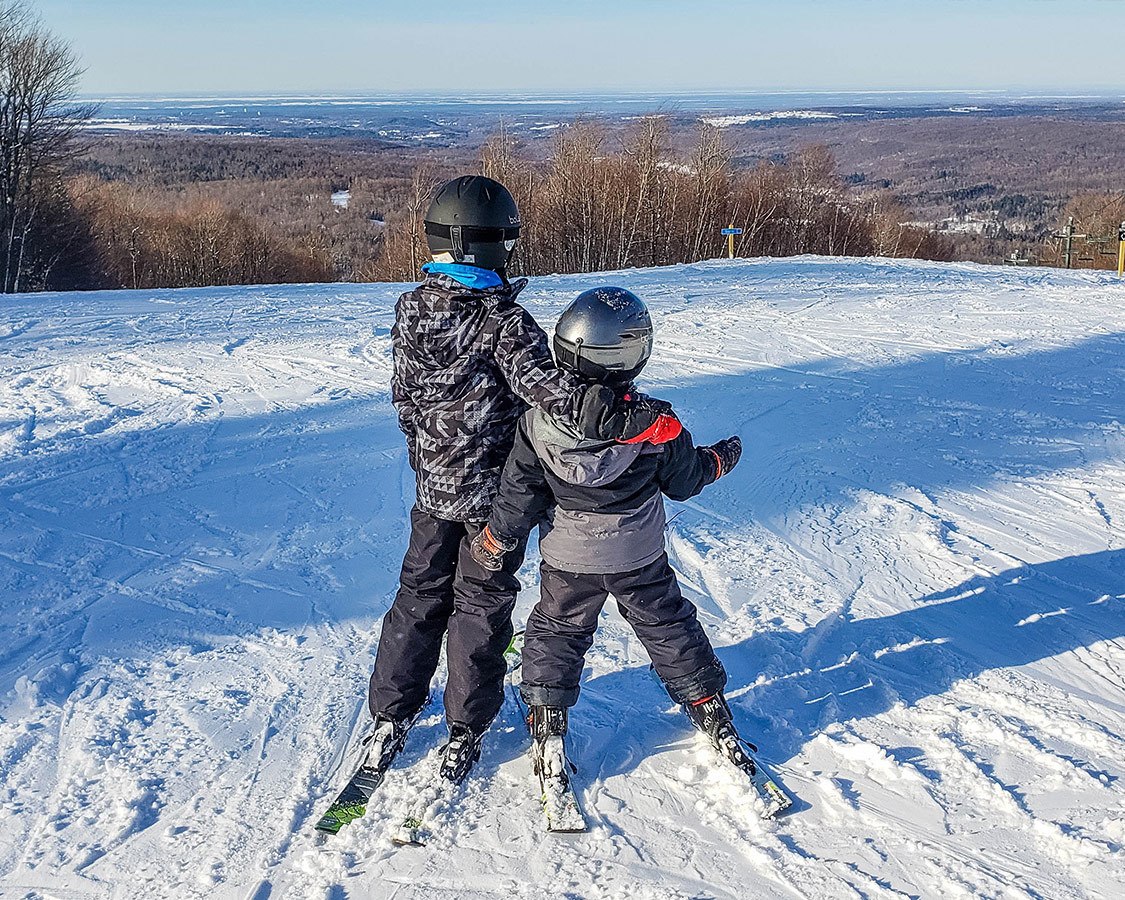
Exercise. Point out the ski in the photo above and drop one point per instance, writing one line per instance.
(412, 830)
(561, 812)
(351, 803)
(772, 795)
(379, 751)
(774, 799)
(712, 716)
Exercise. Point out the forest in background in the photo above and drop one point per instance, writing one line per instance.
(164, 210)
(167, 210)
(80, 209)
(186, 211)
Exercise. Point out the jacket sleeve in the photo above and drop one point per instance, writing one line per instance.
(402, 399)
(685, 469)
(524, 359)
(524, 494)
(595, 412)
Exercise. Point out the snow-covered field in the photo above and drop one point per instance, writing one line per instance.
(916, 579)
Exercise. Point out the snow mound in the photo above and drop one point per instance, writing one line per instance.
(916, 579)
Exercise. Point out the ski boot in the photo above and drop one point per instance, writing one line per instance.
(461, 752)
(548, 726)
(380, 747)
(712, 716)
(385, 742)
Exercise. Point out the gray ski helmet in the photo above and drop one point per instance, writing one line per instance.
(473, 220)
(605, 336)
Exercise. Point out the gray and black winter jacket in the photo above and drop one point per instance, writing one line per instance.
(467, 363)
(598, 504)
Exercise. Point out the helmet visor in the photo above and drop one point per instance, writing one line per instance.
(471, 234)
(626, 356)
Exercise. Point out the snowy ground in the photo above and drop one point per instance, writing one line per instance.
(916, 578)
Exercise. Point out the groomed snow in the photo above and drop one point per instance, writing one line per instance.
(916, 579)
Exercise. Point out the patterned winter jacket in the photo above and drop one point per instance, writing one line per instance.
(467, 363)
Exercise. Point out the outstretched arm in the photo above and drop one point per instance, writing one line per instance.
(685, 469)
(594, 412)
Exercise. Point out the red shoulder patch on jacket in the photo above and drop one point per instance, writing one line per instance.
(666, 428)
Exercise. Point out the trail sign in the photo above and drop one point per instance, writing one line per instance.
(730, 232)
(1121, 232)
(1121, 251)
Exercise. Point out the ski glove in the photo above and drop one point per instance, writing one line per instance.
(488, 550)
(727, 454)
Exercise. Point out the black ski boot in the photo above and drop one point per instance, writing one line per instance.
(462, 750)
(547, 725)
(385, 742)
(712, 716)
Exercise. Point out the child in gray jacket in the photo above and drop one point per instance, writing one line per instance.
(600, 511)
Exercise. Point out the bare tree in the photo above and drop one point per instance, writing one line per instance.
(404, 245)
(39, 125)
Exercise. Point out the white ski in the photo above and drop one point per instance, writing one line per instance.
(411, 830)
(771, 793)
(774, 799)
(560, 804)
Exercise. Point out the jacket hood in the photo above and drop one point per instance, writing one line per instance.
(445, 317)
(577, 460)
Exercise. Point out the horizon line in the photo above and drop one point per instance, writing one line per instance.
(1022, 92)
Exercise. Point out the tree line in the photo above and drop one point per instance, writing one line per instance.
(593, 207)
(180, 211)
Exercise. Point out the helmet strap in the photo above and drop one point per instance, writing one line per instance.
(458, 246)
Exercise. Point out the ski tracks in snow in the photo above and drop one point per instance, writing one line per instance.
(915, 580)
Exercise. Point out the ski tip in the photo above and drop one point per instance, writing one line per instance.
(568, 829)
(776, 801)
(566, 820)
(339, 816)
(409, 833)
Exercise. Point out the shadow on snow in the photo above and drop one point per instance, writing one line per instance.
(227, 525)
(843, 670)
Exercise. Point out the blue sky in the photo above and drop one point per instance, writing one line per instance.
(143, 46)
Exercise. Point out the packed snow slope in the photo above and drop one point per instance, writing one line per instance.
(916, 578)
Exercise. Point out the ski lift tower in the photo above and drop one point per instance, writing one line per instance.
(1068, 236)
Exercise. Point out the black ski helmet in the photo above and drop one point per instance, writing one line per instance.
(605, 335)
(473, 220)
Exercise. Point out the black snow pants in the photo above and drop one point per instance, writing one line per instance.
(561, 629)
(442, 590)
